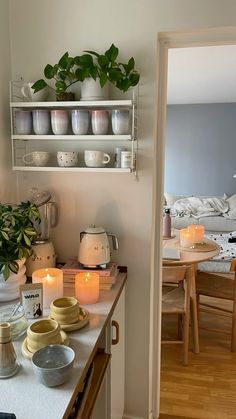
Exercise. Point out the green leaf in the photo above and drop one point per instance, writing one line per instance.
(63, 62)
(103, 79)
(5, 271)
(112, 53)
(93, 72)
(39, 85)
(115, 74)
(134, 78)
(93, 53)
(103, 61)
(60, 86)
(5, 235)
(49, 71)
(79, 74)
(27, 240)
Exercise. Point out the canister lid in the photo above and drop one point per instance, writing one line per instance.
(94, 230)
(39, 198)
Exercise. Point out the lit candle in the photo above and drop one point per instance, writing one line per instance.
(186, 237)
(198, 231)
(52, 280)
(87, 287)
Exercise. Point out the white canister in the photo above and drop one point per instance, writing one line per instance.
(41, 121)
(117, 152)
(127, 160)
(23, 122)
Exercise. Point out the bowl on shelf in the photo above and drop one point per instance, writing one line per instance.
(15, 315)
(53, 364)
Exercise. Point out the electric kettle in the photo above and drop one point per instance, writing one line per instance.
(94, 250)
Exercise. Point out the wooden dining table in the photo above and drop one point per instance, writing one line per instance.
(190, 257)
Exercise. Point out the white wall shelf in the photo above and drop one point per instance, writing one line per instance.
(24, 144)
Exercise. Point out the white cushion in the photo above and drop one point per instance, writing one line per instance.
(232, 206)
(170, 198)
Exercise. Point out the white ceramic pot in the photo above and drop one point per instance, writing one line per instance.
(120, 120)
(91, 90)
(10, 289)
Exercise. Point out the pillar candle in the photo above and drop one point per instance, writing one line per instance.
(87, 287)
(186, 237)
(52, 280)
(198, 231)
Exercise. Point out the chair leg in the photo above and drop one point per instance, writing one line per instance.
(233, 334)
(186, 320)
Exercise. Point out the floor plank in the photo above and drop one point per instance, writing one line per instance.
(206, 388)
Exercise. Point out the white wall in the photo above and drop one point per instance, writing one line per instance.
(7, 185)
(40, 33)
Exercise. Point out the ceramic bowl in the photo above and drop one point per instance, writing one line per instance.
(65, 310)
(53, 364)
(42, 333)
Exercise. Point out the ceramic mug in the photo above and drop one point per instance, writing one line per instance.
(42, 333)
(41, 121)
(29, 95)
(59, 121)
(100, 122)
(23, 122)
(120, 121)
(67, 158)
(65, 310)
(80, 121)
(95, 158)
(37, 158)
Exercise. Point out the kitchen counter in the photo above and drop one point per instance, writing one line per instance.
(24, 396)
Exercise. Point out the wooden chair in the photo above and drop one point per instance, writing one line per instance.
(176, 285)
(221, 286)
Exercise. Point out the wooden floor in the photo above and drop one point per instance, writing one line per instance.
(206, 388)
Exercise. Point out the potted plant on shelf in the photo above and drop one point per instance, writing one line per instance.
(63, 75)
(17, 233)
(93, 67)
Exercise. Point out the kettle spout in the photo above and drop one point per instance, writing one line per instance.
(114, 241)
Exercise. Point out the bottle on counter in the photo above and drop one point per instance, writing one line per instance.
(167, 223)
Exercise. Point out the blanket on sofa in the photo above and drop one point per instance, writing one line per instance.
(200, 207)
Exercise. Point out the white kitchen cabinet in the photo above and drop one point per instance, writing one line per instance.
(23, 144)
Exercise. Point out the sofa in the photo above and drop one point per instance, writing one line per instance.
(219, 214)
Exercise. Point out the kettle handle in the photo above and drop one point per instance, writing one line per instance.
(114, 241)
(81, 235)
(54, 214)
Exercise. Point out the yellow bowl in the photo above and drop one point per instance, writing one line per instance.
(65, 310)
(42, 333)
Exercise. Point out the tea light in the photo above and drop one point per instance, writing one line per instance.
(87, 287)
(52, 280)
(198, 232)
(186, 237)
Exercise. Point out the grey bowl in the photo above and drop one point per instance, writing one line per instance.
(53, 364)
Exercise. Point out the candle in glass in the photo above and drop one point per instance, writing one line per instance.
(52, 280)
(198, 231)
(186, 237)
(87, 287)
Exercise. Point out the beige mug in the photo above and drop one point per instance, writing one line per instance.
(42, 333)
(65, 310)
(37, 158)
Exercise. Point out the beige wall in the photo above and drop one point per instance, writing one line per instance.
(40, 33)
(7, 179)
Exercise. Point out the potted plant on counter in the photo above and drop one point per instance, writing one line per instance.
(93, 67)
(63, 75)
(17, 233)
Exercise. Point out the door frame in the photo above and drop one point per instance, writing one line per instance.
(165, 41)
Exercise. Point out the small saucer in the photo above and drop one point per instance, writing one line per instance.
(169, 238)
(83, 320)
(12, 372)
(27, 354)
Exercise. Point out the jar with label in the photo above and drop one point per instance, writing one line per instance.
(118, 151)
(127, 160)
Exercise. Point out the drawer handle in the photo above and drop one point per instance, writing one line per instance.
(115, 324)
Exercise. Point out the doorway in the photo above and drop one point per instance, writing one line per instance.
(165, 42)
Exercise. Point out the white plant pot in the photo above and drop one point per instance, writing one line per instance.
(91, 90)
(10, 289)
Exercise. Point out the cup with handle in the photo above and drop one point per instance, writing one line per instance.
(96, 158)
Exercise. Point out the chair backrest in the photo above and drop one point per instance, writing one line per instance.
(173, 274)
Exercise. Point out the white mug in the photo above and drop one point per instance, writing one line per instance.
(29, 95)
(100, 122)
(41, 121)
(67, 158)
(59, 121)
(23, 122)
(120, 121)
(80, 121)
(94, 158)
(37, 158)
